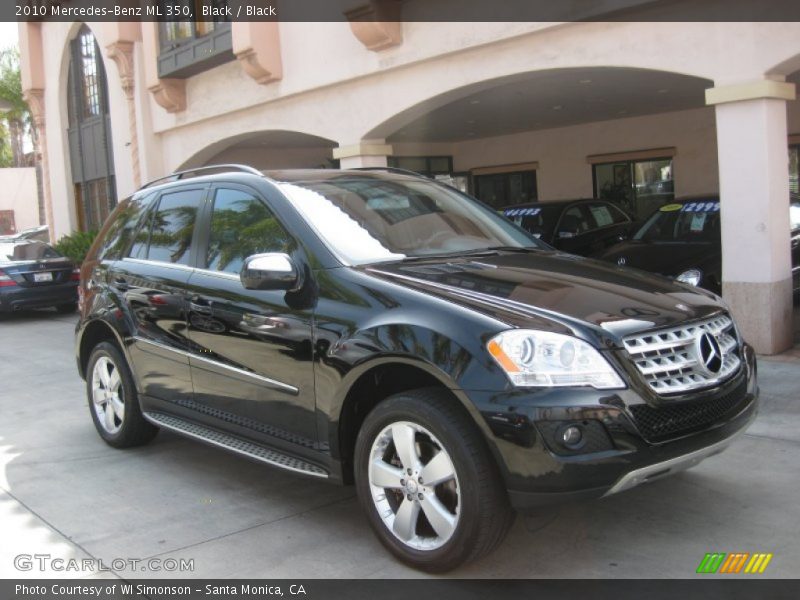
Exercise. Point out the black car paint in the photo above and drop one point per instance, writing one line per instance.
(587, 243)
(673, 258)
(432, 317)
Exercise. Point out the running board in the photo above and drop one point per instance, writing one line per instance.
(234, 444)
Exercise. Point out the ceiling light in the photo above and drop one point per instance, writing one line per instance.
(557, 107)
(471, 121)
(663, 91)
(585, 81)
(622, 112)
(474, 101)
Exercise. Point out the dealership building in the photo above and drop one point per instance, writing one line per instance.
(639, 112)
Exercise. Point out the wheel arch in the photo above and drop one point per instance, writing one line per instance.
(374, 382)
(93, 333)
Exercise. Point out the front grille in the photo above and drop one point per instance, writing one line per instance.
(671, 420)
(668, 361)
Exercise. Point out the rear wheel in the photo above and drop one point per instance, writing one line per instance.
(427, 483)
(113, 401)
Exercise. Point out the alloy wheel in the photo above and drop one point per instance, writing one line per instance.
(107, 400)
(414, 486)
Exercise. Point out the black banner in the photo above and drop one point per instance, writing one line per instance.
(401, 10)
(735, 588)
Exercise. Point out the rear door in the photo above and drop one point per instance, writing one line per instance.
(251, 349)
(151, 283)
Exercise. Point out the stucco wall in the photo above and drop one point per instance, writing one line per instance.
(19, 194)
(561, 153)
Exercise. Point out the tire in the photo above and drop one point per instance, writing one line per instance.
(468, 504)
(113, 401)
(66, 309)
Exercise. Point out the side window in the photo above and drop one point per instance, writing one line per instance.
(120, 233)
(574, 222)
(168, 237)
(601, 214)
(242, 225)
(618, 216)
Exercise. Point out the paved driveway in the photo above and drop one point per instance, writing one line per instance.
(64, 492)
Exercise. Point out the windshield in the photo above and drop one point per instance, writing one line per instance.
(539, 220)
(689, 222)
(365, 220)
(28, 250)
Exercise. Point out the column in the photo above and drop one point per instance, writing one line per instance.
(363, 154)
(752, 144)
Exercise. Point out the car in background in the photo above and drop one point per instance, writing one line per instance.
(584, 227)
(34, 275)
(682, 240)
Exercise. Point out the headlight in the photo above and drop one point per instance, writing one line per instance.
(543, 359)
(691, 276)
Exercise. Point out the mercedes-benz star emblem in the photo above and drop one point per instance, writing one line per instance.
(622, 260)
(709, 353)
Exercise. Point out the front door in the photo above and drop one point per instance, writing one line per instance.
(251, 359)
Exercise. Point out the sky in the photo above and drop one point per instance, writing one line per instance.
(8, 34)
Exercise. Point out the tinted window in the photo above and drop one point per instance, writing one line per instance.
(538, 220)
(689, 222)
(27, 250)
(241, 225)
(125, 220)
(574, 221)
(171, 228)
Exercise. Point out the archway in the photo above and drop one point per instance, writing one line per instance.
(274, 149)
(89, 132)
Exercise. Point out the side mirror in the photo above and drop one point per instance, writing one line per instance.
(273, 271)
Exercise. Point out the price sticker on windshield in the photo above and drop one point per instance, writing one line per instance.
(700, 207)
(670, 207)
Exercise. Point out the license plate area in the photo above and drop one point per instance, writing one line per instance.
(42, 277)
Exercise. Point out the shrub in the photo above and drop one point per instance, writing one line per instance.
(76, 245)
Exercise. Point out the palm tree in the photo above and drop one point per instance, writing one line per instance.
(15, 110)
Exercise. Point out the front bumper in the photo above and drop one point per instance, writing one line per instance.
(537, 473)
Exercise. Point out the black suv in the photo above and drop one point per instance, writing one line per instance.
(389, 331)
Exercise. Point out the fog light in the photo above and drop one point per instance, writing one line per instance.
(571, 436)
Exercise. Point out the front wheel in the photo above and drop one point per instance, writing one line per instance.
(427, 482)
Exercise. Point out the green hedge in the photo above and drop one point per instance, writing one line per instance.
(76, 245)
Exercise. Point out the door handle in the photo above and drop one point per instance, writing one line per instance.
(199, 308)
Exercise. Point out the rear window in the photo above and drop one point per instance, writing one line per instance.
(538, 220)
(124, 222)
(27, 250)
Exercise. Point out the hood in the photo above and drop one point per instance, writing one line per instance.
(585, 296)
(666, 258)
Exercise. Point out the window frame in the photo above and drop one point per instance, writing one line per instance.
(631, 162)
(506, 171)
(183, 58)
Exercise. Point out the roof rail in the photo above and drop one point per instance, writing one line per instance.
(181, 174)
(391, 170)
